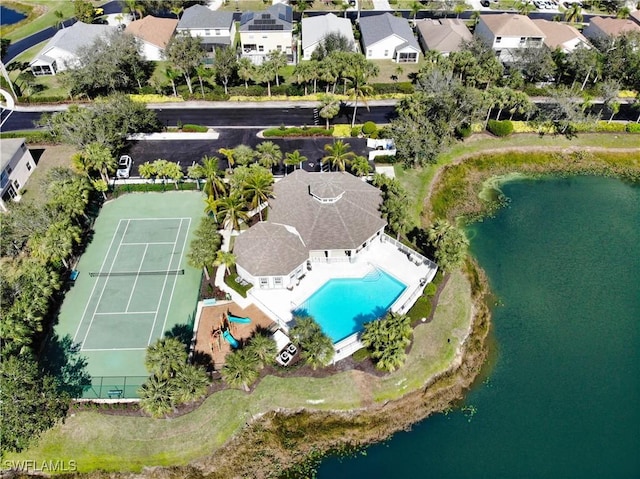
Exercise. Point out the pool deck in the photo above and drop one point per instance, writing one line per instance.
(279, 303)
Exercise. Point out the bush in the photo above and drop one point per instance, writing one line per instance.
(43, 99)
(252, 90)
(361, 354)
(430, 290)
(356, 131)
(603, 126)
(500, 128)
(295, 131)
(385, 159)
(369, 128)
(341, 131)
(189, 128)
(31, 136)
(463, 131)
(633, 128)
(388, 88)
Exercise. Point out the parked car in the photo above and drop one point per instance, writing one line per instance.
(124, 166)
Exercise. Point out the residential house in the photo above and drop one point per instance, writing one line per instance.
(609, 27)
(443, 35)
(15, 169)
(62, 50)
(561, 36)
(315, 29)
(387, 37)
(506, 33)
(267, 31)
(215, 28)
(313, 217)
(154, 34)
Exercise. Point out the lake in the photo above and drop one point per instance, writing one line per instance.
(9, 17)
(561, 394)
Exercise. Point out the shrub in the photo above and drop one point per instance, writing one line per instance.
(388, 88)
(361, 354)
(463, 131)
(356, 131)
(500, 128)
(385, 159)
(43, 99)
(31, 136)
(633, 128)
(369, 128)
(295, 131)
(342, 131)
(603, 126)
(189, 128)
(430, 290)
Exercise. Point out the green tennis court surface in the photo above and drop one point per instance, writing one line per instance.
(134, 286)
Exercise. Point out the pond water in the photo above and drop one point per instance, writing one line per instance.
(9, 17)
(562, 390)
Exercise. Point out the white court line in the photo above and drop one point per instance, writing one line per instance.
(164, 284)
(104, 286)
(115, 349)
(175, 280)
(126, 312)
(156, 219)
(133, 289)
(140, 244)
(106, 255)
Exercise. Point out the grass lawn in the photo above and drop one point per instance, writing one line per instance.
(41, 17)
(389, 69)
(116, 443)
(57, 155)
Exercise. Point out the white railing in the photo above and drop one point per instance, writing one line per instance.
(413, 254)
(346, 347)
(341, 259)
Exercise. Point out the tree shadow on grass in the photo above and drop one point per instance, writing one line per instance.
(61, 358)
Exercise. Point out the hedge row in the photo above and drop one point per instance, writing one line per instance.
(35, 136)
(500, 128)
(295, 131)
(189, 128)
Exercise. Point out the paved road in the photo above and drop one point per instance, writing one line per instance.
(238, 117)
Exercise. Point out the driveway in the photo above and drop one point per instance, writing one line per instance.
(187, 152)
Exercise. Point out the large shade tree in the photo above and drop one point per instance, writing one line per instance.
(185, 53)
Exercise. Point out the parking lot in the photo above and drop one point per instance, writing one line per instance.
(187, 152)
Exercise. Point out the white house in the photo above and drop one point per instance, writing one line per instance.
(154, 35)
(16, 167)
(560, 35)
(387, 37)
(608, 27)
(507, 33)
(315, 29)
(264, 32)
(444, 35)
(215, 28)
(336, 216)
(62, 50)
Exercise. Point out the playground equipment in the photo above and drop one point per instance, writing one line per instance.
(237, 319)
(230, 339)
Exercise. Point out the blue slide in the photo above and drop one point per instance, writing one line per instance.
(236, 319)
(230, 339)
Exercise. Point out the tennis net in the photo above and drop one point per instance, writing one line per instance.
(170, 272)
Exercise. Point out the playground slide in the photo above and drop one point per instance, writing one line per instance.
(236, 319)
(230, 339)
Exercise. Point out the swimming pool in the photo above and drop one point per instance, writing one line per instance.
(341, 306)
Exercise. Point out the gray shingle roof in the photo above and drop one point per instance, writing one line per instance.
(314, 29)
(8, 148)
(78, 35)
(199, 16)
(269, 249)
(278, 17)
(379, 27)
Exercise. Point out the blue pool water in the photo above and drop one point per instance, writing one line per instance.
(342, 306)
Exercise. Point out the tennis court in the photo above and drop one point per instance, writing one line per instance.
(134, 286)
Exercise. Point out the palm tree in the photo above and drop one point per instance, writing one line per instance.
(229, 154)
(573, 14)
(192, 383)
(329, 107)
(226, 259)
(266, 73)
(338, 154)
(246, 70)
(156, 396)
(387, 339)
(294, 158)
(100, 186)
(360, 166)
(264, 349)
(59, 18)
(177, 10)
(171, 75)
(269, 154)
(230, 210)
(360, 74)
(240, 369)
(524, 7)
(99, 158)
(415, 9)
(317, 348)
(449, 242)
(203, 71)
(165, 357)
(302, 73)
(70, 197)
(258, 188)
(195, 173)
(147, 170)
(56, 243)
(243, 154)
(214, 184)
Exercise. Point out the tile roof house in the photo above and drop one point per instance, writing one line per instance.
(16, 166)
(603, 27)
(154, 34)
(215, 28)
(62, 50)
(314, 29)
(506, 33)
(387, 37)
(560, 35)
(315, 217)
(267, 31)
(443, 35)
